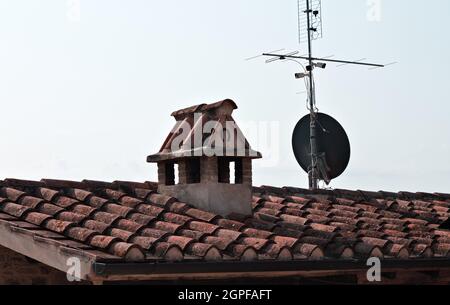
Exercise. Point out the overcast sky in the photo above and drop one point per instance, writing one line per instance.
(89, 95)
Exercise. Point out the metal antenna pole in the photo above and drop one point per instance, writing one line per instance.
(312, 175)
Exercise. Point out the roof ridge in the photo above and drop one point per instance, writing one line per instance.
(402, 195)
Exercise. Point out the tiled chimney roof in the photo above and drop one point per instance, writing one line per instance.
(195, 117)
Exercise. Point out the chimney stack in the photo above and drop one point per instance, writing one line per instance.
(204, 145)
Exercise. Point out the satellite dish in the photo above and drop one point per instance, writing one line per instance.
(333, 146)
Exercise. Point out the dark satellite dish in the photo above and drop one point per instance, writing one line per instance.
(333, 146)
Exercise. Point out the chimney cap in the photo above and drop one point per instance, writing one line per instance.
(201, 108)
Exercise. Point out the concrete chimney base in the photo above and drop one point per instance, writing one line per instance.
(220, 198)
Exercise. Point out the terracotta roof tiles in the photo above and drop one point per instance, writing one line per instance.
(132, 221)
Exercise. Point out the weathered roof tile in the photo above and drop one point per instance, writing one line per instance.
(131, 220)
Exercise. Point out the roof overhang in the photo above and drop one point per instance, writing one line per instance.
(199, 152)
(262, 269)
(45, 250)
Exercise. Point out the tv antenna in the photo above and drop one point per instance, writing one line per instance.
(316, 134)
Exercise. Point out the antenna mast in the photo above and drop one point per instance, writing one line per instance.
(313, 174)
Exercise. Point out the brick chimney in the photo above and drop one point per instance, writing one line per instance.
(203, 145)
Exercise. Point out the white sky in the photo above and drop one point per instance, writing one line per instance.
(90, 99)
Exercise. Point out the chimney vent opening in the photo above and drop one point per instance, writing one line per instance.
(193, 170)
(176, 174)
(170, 173)
(230, 170)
